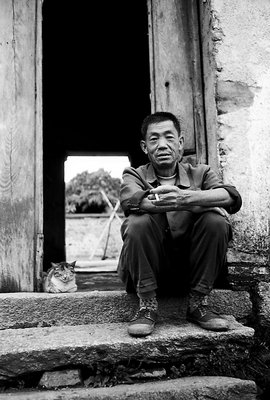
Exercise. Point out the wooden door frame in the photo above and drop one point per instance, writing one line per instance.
(38, 194)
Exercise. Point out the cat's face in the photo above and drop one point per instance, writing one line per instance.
(63, 271)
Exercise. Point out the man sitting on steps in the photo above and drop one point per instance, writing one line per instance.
(176, 231)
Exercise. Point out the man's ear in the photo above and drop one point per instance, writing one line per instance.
(181, 147)
(181, 142)
(143, 146)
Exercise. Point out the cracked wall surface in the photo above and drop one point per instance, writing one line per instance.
(236, 67)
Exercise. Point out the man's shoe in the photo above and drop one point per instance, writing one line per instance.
(207, 319)
(143, 323)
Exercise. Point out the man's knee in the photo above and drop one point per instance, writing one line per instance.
(135, 226)
(215, 224)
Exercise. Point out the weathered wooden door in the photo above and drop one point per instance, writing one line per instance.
(20, 145)
(176, 69)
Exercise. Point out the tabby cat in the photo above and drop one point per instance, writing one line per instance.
(60, 278)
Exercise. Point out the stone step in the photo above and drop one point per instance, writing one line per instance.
(25, 310)
(30, 350)
(189, 388)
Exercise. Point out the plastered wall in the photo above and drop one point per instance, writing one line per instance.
(236, 67)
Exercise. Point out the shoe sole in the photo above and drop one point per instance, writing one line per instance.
(206, 325)
(140, 330)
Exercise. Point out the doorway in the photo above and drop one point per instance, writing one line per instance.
(93, 212)
(96, 91)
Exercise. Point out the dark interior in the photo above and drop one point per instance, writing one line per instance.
(95, 75)
(96, 88)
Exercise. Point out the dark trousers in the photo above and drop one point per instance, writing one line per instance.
(154, 258)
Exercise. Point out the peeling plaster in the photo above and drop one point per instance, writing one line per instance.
(231, 96)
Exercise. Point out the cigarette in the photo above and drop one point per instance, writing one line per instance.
(157, 197)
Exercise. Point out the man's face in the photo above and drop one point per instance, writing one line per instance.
(163, 145)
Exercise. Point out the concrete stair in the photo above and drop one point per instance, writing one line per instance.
(88, 330)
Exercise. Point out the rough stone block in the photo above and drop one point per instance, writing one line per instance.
(24, 351)
(236, 303)
(263, 303)
(26, 310)
(56, 379)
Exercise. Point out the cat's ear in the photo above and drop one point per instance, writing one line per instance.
(53, 264)
(73, 263)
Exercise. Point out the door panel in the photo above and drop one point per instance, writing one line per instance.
(175, 68)
(20, 145)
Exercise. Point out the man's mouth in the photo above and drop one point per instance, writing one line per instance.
(162, 155)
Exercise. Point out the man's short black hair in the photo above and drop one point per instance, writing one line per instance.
(159, 117)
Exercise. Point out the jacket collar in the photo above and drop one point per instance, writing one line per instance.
(182, 179)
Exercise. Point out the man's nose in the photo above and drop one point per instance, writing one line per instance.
(162, 143)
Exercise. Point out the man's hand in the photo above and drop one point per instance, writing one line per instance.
(164, 199)
(149, 206)
(170, 196)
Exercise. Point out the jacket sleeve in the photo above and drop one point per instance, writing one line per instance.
(212, 181)
(133, 189)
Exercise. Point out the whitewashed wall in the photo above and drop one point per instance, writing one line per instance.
(236, 55)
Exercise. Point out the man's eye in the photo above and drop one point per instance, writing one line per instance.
(153, 139)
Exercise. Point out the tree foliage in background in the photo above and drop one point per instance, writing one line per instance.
(83, 192)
